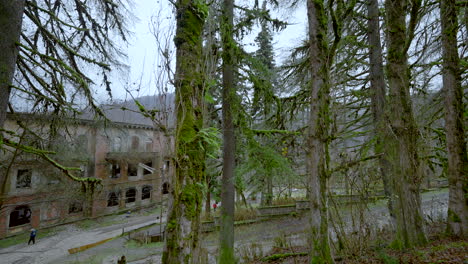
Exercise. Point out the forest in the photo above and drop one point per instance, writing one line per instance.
(344, 138)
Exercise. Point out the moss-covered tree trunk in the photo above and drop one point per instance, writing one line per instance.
(226, 239)
(378, 93)
(401, 146)
(455, 132)
(11, 18)
(183, 224)
(317, 139)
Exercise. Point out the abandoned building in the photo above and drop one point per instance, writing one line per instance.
(132, 160)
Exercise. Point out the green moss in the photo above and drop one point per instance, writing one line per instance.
(397, 244)
(190, 197)
(171, 225)
(388, 259)
(453, 217)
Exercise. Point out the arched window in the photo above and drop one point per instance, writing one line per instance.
(113, 199)
(130, 195)
(146, 192)
(20, 216)
(165, 188)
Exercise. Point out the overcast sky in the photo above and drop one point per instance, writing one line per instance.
(142, 51)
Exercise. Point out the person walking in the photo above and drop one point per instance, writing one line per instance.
(32, 236)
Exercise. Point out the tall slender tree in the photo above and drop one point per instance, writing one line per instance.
(322, 52)
(378, 93)
(182, 243)
(317, 138)
(228, 191)
(457, 223)
(402, 145)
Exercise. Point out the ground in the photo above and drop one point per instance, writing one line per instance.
(253, 241)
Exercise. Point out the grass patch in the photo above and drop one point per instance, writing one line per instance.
(24, 237)
(386, 259)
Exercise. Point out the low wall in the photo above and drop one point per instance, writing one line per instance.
(276, 210)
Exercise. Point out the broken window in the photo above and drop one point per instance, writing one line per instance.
(75, 207)
(115, 170)
(149, 144)
(135, 143)
(146, 192)
(20, 216)
(113, 199)
(132, 170)
(149, 164)
(165, 188)
(23, 179)
(130, 195)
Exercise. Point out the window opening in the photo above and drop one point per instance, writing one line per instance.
(20, 216)
(132, 170)
(23, 179)
(165, 188)
(146, 192)
(149, 164)
(113, 199)
(75, 207)
(115, 170)
(130, 195)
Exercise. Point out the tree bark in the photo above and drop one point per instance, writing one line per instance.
(457, 219)
(401, 146)
(208, 202)
(226, 239)
(11, 19)
(378, 93)
(317, 139)
(183, 224)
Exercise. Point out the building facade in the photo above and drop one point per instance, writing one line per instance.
(132, 161)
